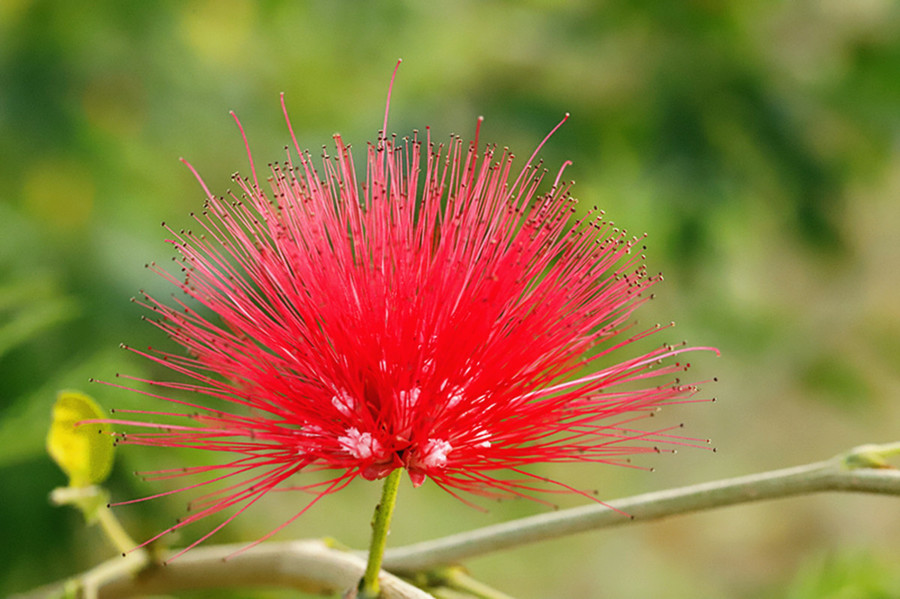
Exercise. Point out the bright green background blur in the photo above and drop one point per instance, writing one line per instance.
(757, 142)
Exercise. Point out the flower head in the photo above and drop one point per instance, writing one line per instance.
(443, 315)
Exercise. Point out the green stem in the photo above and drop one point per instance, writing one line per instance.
(456, 578)
(381, 524)
(114, 530)
(92, 502)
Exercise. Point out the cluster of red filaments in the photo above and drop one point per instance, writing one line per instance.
(443, 315)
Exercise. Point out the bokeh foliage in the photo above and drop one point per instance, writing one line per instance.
(758, 142)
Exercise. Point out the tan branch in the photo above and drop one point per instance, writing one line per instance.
(309, 566)
(861, 470)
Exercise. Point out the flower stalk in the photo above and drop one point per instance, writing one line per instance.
(381, 524)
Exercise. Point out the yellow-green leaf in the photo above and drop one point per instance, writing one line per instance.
(83, 451)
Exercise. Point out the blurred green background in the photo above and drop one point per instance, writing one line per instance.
(757, 142)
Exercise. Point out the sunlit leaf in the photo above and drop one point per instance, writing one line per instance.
(83, 451)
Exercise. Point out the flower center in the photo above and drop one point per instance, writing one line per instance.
(361, 446)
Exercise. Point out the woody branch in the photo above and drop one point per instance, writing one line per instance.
(312, 566)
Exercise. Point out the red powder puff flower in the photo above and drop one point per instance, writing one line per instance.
(442, 315)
